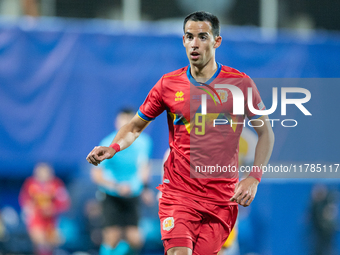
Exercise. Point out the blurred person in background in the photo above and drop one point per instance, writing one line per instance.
(325, 219)
(123, 180)
(30, 7)
(43, 197)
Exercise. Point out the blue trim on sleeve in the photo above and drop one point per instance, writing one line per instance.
(143, 116)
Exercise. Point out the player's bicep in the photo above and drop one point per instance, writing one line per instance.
(137, 124)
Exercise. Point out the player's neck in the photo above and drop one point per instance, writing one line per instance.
(204, 73)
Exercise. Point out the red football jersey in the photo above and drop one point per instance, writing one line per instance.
(44, 199)
(203, 137)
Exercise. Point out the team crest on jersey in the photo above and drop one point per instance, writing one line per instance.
(223, 95)
(261, 105)
(179, 96)
(168, 223)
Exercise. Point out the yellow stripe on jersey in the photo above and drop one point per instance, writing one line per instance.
(143, 119)
(234, 119)
(232, 73)
(174, 75)
(187, 125)
(184, 121)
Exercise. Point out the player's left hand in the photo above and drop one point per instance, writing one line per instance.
(245, 191)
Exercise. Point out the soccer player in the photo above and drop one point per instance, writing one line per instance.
(123, 180)
(43, 197)
(197, 209)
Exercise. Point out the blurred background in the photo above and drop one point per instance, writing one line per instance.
(68, 66)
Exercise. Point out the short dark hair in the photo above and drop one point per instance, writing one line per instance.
(204, 16)
(127, 110)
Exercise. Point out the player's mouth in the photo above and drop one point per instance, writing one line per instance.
(194, 55)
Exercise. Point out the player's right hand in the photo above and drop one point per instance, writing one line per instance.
(99, 153)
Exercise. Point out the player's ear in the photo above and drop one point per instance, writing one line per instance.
(184, 40)
(218, 41)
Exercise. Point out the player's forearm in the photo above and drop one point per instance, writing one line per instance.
(264, 147)
(130, 132)
(126, 136)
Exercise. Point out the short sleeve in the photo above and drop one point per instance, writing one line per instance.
(256, 99)
(153, 104)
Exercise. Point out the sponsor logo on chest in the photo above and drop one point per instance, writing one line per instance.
(179, 96)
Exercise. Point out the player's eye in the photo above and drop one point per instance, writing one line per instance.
(203, 37)
(189, 37)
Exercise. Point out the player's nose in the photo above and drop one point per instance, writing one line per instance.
(194, 43)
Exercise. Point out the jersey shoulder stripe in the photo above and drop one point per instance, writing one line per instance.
(232, 72)
(176, 73)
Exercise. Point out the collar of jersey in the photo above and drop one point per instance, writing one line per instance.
(193, 81)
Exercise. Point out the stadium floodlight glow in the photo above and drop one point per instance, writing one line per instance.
(238, 100)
